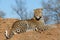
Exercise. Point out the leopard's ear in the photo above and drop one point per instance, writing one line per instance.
(38, 9)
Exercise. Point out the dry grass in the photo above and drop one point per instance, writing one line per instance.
(51, 34)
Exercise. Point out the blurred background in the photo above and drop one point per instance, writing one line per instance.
(23, 9)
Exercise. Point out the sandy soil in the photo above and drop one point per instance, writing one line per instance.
(51, 34)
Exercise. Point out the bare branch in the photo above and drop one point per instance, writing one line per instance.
(53, 8)
(21, 9)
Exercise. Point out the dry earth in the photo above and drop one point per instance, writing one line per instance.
(51, 34)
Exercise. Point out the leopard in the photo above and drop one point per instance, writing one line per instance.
(21, 26)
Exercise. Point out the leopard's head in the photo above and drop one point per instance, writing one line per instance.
(38, 14)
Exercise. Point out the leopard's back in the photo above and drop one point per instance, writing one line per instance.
(19, 26)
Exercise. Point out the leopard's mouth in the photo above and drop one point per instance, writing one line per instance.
(38, 18)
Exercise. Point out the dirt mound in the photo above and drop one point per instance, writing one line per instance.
(5, 24)
(51, 34)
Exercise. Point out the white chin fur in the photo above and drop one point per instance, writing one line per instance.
(37, 16)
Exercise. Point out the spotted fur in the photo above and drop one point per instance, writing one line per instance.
(21, 26)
